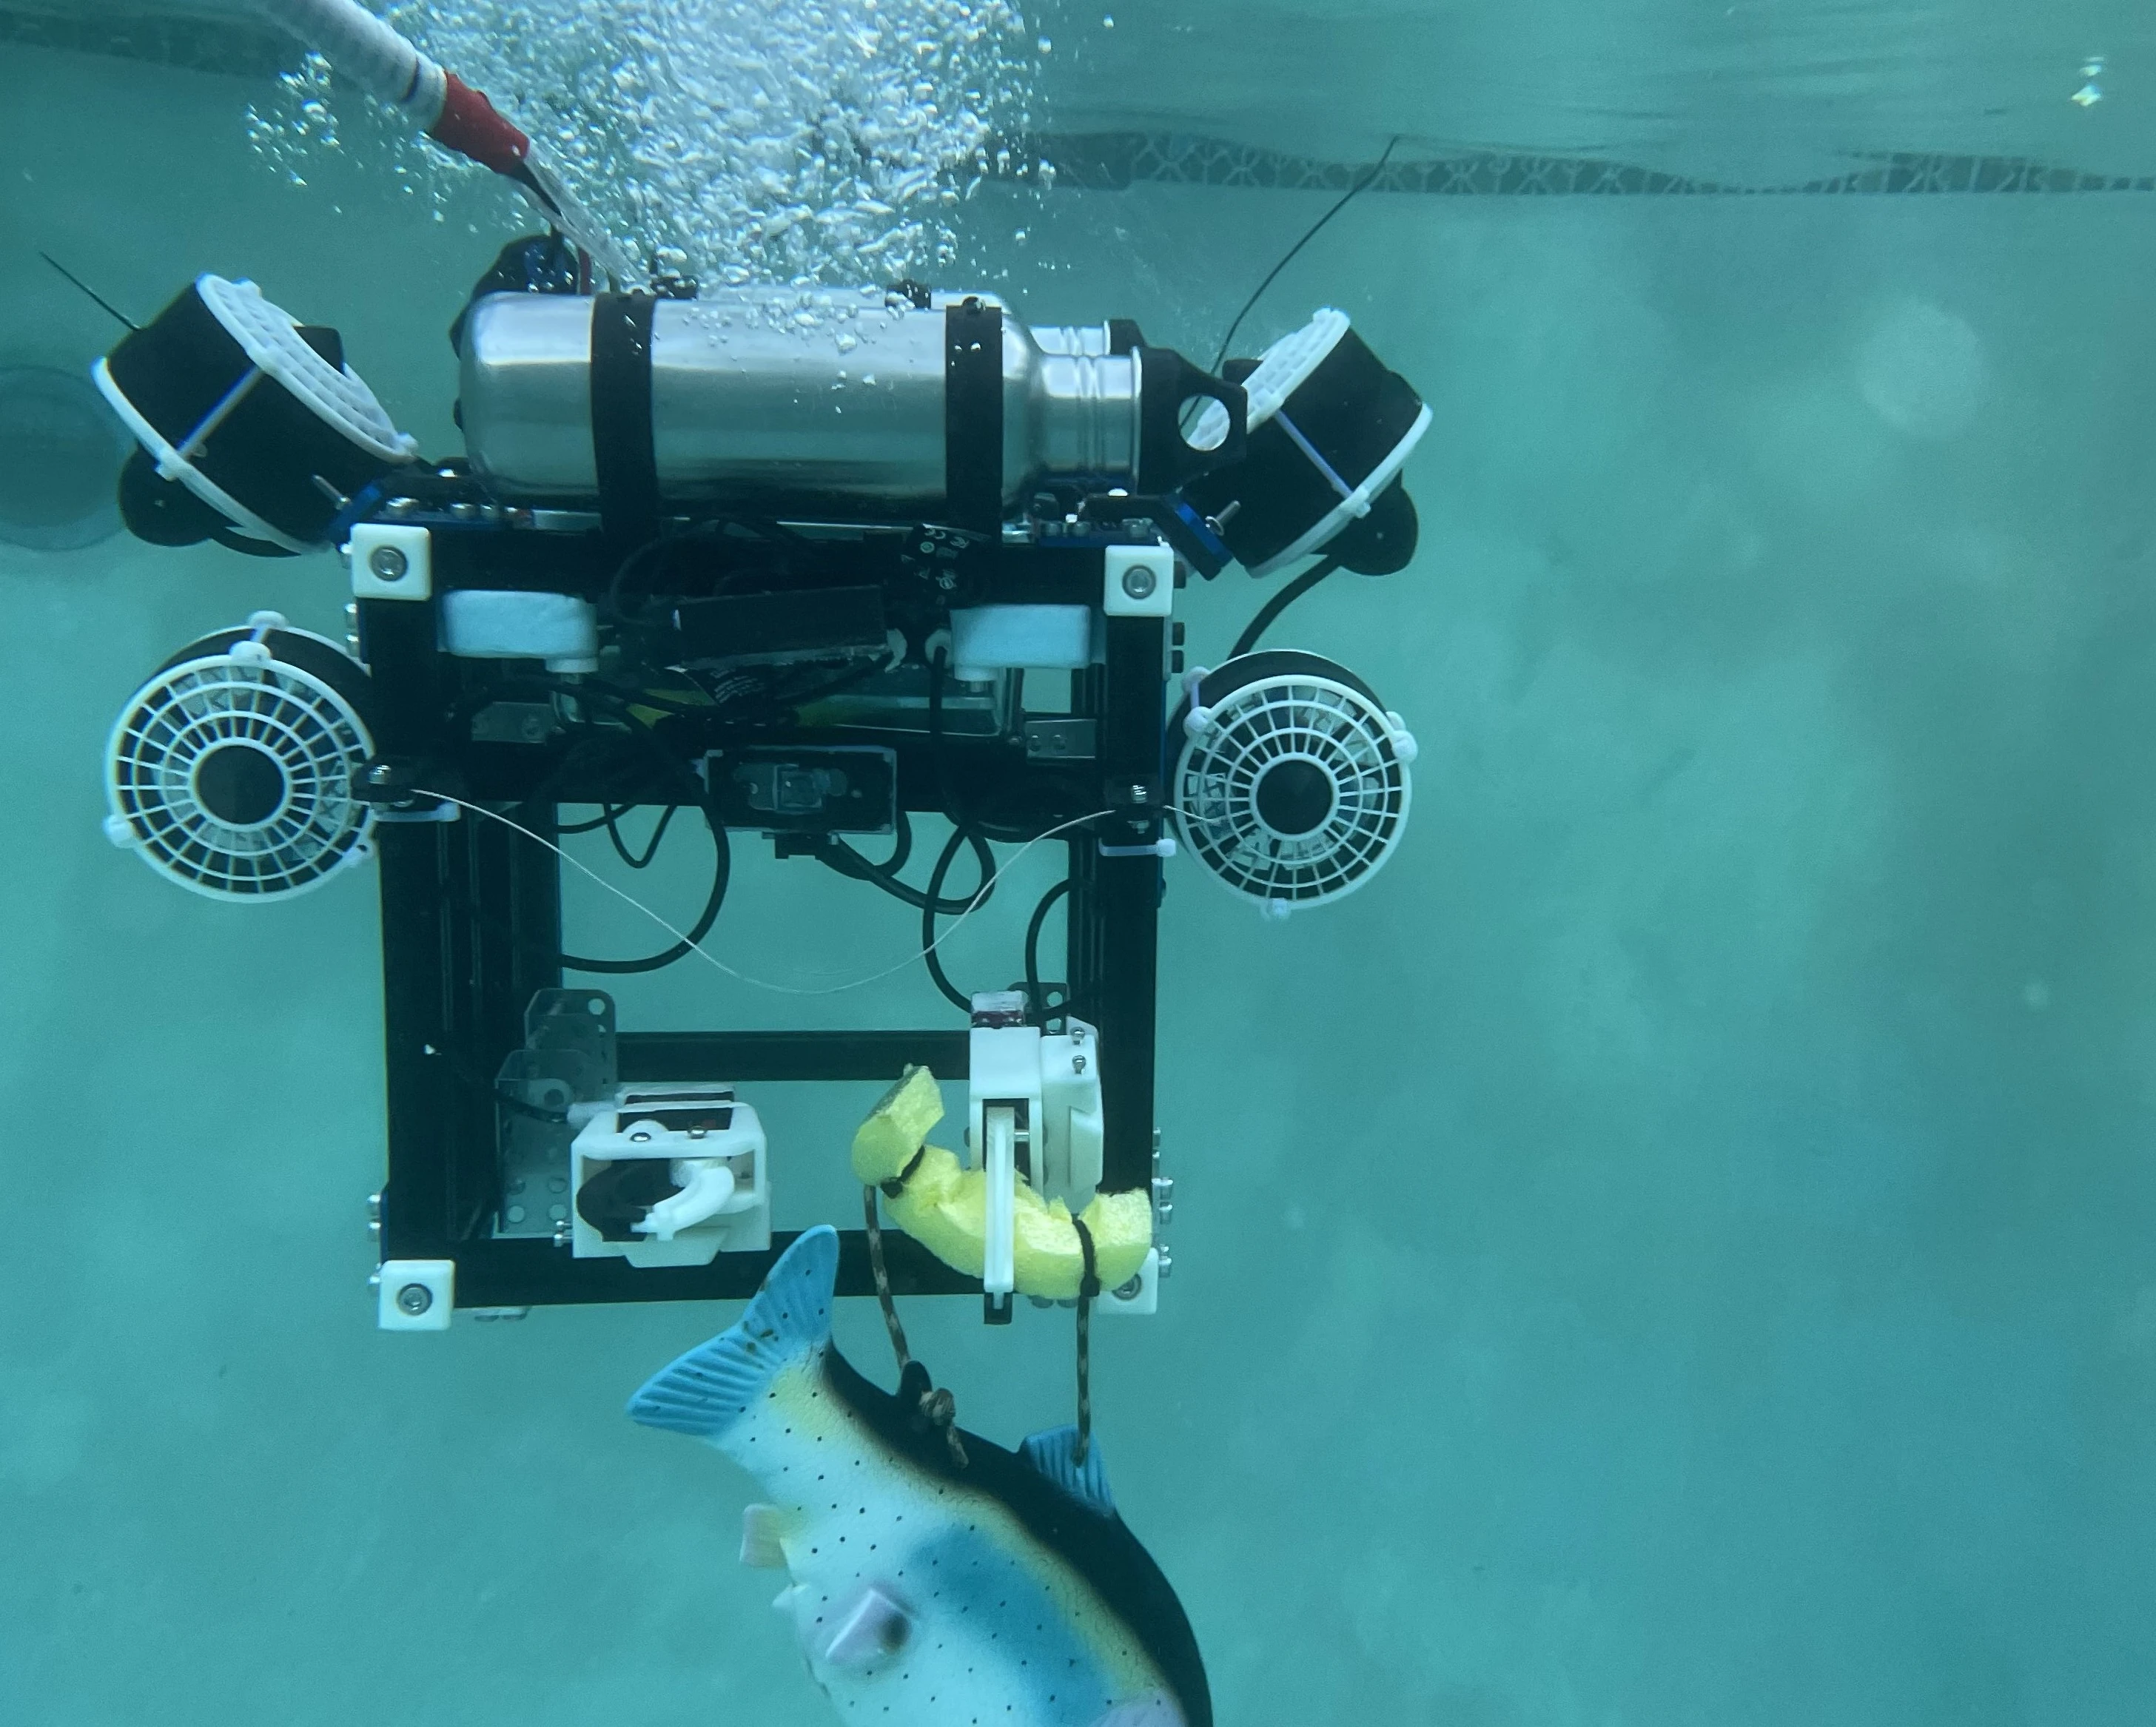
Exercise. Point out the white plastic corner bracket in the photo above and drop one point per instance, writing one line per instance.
(1139, 581)
(391, 561)
(416, 1295)
(1145, 1300)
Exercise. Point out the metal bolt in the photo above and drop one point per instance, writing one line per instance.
(388, 562)
(1137, 794)
(1139, 581)
(414, 1298)
(1077, 1064)
(1166, 1261)
(381, 775)
(1131, 1290)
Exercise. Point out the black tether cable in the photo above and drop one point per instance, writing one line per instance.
(1279, 604)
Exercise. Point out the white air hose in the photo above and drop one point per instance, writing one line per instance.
(366, 50)
(380, 61)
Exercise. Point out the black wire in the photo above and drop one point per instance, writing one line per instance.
(1279, 602)
(611, 814)
(839, 856)
(1347, 199)
(1032, 944)
(722, 872)
(959, 837)
(901, 845)
(658, 833)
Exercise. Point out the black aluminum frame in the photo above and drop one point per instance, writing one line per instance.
(471, 928)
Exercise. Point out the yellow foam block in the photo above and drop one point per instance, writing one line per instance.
(945, 1208)
(884, 1143)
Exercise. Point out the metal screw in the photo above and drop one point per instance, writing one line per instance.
(388, 562)
(1139, 581)
(1077, 1064)
(1137, 794)
(414, 1298)
(1131, 1290)
(381, 775)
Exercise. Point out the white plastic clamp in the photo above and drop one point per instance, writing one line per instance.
(1139, 581)
(415, 1294)
(391, 561)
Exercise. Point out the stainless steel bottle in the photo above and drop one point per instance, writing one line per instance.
(784, 396)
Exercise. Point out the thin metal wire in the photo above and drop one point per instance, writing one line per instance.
(720, 964)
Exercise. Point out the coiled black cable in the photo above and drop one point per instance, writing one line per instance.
(636, 860)
(959, 837)
(842, 857)
(1033, 929)
(722, 873)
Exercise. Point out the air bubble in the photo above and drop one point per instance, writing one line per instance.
(734, 141)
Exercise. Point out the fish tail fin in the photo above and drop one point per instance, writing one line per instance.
(709, 1389)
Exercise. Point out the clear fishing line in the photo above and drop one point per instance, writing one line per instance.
(711, 959)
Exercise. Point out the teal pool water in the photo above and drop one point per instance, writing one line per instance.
(1678, 1248)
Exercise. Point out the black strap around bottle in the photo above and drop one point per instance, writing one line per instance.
(622, 449)
(974, 416)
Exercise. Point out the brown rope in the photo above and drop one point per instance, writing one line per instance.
(937, 1406)
(883, 1279)
(1089, 1286)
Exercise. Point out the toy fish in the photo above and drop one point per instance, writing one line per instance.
(925, 1590)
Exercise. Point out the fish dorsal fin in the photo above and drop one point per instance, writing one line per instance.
(707, 1390)
(1054, 1456)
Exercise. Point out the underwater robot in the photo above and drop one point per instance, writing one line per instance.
(800, 563)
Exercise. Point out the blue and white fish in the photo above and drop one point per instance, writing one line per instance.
(924, 1593)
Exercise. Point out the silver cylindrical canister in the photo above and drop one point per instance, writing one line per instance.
(778, 399)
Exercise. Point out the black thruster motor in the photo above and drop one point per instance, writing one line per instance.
(253, 431)
(1330, 427)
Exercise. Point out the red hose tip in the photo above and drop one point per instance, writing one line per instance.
(469, 126)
